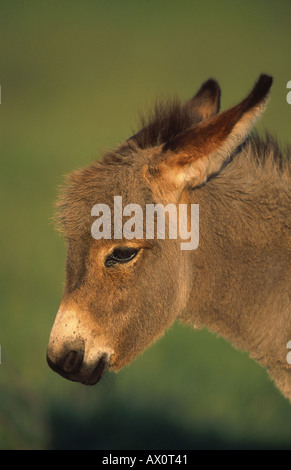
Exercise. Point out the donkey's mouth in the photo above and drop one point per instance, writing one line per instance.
(71, 366)
(98, 372)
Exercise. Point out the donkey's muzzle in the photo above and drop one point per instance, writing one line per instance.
(70, 364)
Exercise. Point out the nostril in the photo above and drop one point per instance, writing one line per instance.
(68, 362)
(71, 361)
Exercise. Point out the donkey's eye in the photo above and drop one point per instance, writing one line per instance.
(121, 255)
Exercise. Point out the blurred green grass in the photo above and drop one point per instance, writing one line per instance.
(73, 77)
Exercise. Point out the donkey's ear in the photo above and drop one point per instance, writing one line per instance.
(206, 102)
(201, 150)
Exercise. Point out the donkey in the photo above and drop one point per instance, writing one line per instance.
(121, 294)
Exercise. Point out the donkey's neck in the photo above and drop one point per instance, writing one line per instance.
(242, 267)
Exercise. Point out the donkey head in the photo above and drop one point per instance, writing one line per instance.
(123, 292)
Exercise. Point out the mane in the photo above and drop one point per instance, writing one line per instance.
(170, 117)
(267, 152)
(167, 119)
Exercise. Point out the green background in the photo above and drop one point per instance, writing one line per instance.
(74, 76)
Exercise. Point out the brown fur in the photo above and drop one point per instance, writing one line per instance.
(236, 283)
